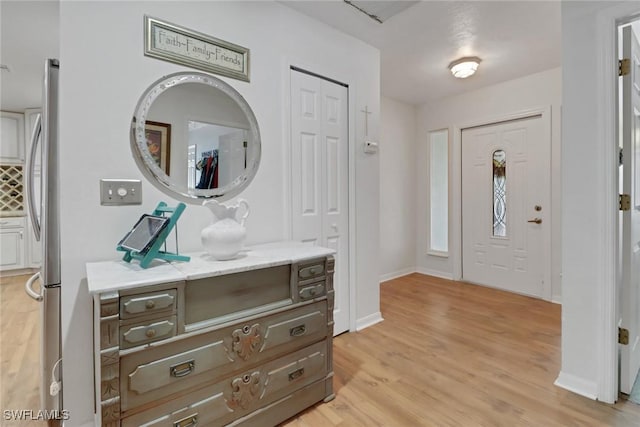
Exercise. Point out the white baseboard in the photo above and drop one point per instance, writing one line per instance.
(396, 274)
(556, 299)
(577, 385)
(434, 273)
(19, 272)
(369, 320)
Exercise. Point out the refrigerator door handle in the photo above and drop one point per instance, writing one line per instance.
(35, 137)
(28, 287)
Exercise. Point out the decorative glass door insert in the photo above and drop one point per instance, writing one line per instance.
(499, 193)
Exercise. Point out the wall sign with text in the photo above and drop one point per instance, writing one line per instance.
(179, 45)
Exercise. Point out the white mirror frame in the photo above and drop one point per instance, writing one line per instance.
(152, 170)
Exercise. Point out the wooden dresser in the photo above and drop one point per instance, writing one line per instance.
(242, 342)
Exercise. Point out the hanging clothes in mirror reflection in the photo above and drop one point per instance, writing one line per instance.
(208, 167)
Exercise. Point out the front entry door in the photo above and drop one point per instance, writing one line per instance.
(320, 176)
(506, 206)
(630, 353)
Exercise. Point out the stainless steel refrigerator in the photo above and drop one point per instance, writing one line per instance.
(45, 215)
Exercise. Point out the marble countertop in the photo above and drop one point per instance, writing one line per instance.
(109, 276)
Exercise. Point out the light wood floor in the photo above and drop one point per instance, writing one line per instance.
(453, 354)
(447, 354)
(19, 351)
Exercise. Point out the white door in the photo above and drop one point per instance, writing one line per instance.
(231, 156)
(320, 176)
(630, 354)
(506, 206)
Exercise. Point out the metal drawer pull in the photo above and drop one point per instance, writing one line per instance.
(311, 271)
(311, 291)
(182, 369)
(190, 421)
(137, 334)
(296, 374)
(298, 331)
(142, 304)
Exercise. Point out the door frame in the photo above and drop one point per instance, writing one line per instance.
(607, 22)
(290, 65)
(456, 196)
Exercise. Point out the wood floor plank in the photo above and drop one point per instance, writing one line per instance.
(19, 351)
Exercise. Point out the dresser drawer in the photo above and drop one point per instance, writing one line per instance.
(239, 394)
(313, 290)
(148, 303)
(219, 299)
(312, 269)
(160, 371)
(146, 332)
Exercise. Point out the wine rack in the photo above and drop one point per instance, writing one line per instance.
(11, 190)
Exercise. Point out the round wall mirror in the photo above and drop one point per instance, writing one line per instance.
(195, 137)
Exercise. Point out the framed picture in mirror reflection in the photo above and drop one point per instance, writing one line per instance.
(158, 137)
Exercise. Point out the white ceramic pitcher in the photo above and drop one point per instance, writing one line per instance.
(224, 238)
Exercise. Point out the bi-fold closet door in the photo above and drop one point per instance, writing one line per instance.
(320, 175)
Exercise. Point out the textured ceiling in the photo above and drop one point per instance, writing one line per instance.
(29, 33)
(513, 39)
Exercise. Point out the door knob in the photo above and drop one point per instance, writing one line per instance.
(536, 220)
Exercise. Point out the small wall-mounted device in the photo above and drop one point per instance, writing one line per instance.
(114, 192)
(370, 147)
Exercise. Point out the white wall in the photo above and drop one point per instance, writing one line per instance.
(397, 189)
(103, 72)
(487, 104)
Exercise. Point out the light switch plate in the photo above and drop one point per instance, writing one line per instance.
(116, 192)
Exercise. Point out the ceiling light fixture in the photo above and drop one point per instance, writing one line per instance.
(464, 67)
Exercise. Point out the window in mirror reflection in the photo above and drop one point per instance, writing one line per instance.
(216, 154)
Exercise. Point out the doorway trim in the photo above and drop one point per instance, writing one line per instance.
(456, 184)
(607, 22)
(289, 65)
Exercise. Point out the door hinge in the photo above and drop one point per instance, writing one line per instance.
(623, 336)
(625, 202)
(624, 66)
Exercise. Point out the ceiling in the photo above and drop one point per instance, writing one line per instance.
(29, 33)
(513, 39)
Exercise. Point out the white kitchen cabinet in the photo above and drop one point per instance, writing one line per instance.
(11, 243)
(12, 137)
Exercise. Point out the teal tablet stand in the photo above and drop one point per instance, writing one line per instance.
(154, 251)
